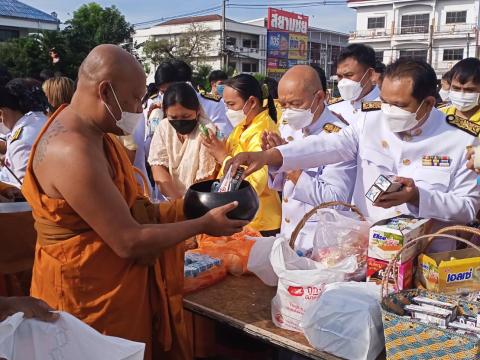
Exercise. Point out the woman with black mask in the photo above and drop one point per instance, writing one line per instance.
(177, 156)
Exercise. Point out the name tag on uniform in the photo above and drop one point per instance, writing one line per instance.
(435, 160)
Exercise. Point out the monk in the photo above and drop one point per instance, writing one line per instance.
(94, 258)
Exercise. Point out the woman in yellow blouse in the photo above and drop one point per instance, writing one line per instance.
(244, 100)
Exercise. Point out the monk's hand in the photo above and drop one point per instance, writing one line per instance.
(408, 194)
(471, 159)
(31, 308)
(216, 222)
(216, 147)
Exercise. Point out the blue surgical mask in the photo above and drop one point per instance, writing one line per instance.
(220, 89)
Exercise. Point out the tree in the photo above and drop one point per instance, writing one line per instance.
(192, 46)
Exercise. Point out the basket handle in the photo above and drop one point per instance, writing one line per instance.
(461, 228)
(392, 265)
(309, 214)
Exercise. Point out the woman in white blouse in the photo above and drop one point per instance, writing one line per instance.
(177, 156)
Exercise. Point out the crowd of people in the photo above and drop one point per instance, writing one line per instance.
(69, 146)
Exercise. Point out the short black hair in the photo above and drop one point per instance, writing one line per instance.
(46, 74)
(379, 67)
(448, 76)
(217, 75)
(23, 96)
(321, 75)
(362, 53)
(180, 93)
(466, 70)
(422, 74)
(173, 71)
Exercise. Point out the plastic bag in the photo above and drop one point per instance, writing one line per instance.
(259, 261)
(232, 250)
(346, 321)
(301, 281)
(338, 235)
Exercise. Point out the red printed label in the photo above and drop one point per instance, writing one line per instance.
(295, 290)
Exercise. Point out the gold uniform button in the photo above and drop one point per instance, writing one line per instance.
(287, 220)
(385, 144)
(290, 138)
(407, 137)
(406, 162)
(417, 132)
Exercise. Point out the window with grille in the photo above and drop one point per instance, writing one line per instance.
(249, 67)
(379, 56)
(376, 23)
(456, 17)
(414, 24)
(231, 41)
(414, 54)
(7, 34)
(249, 43)
(452, 54)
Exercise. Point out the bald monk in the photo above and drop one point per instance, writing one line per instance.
(93, 255)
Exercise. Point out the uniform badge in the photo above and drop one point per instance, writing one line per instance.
(17, 134)
(435, 160)
(212, 97)
(371, 105)
(463, 124)
(330, 128)
(334, 100)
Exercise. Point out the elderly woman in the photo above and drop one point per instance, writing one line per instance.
(177, 156)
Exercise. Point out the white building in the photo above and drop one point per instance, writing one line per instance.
(245, 43)
(18, 19)
(438, 31)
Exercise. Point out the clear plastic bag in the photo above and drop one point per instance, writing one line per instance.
(339, 235)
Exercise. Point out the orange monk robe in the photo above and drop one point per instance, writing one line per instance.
(77, 272)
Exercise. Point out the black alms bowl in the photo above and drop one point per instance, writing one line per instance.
(199, 200)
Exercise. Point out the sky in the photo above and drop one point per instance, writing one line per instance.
(332, 17)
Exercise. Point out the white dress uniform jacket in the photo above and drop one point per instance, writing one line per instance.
(448, 194)
(334, 182)
(19, 145)
(351, 111)
(217, 113)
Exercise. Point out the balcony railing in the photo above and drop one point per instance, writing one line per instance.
(451, 29)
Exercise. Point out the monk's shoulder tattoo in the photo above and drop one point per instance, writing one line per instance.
(53, 131)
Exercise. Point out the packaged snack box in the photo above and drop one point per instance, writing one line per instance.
(450, 272)
(376, 272)
(388, 236)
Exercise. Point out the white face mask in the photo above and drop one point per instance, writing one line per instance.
(398, 119)
(298, 119)
(236, 117)
(128, 121)
(464, 101)
(349, 89)
(444, 94)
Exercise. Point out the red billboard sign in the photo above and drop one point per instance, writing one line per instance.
(280, 20)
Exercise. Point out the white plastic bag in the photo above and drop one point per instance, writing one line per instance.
(300, 282)
(259, 261)
(346, 321)
(338, 235)
(66, 339)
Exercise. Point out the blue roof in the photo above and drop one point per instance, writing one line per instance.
(17, 9)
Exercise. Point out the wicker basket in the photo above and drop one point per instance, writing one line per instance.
(407, 338)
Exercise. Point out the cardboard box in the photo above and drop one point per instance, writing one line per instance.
(450, 271)
(383, 184)
(376, 272)
(386, 240)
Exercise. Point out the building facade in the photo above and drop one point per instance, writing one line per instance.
(441, 32)
(18, 19)
(245, 43)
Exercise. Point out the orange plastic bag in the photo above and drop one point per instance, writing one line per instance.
(205, 279)
(232, 250)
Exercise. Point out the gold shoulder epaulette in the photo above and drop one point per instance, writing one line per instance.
(442, 105)
(371, 105)
(211, 97)
(463, 124)
(17, 134)
(331, 128)
(334, 100)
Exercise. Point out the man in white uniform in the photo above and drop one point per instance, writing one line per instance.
(301, 95)
(355, 71)
(408, 138)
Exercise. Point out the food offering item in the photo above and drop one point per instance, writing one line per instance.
(388, 236)
(376, 270)
(201, 271)
(383, 184)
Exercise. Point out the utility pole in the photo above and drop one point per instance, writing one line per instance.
(468, 45)
(223, 38)
(430, 42)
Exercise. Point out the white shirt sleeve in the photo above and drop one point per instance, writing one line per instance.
(320, 150)
(18, 153)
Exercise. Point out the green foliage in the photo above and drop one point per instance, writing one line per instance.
(91, 25)
(200, 76)
(259, 77)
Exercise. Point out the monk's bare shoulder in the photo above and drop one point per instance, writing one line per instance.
(54, 130)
